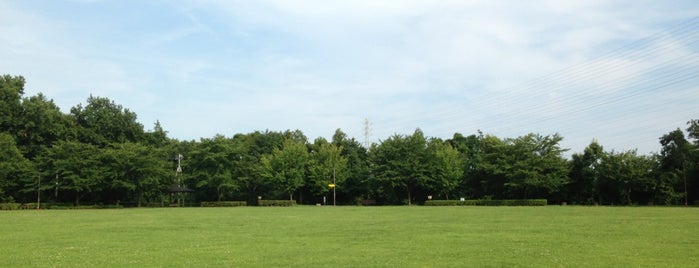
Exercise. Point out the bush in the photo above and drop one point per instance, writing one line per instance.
(10, 206)
(276, 203)
(502, 202)
(224, 204)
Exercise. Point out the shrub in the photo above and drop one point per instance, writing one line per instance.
(10, 206)
(276, 203)
(502, 202)
(224, 204)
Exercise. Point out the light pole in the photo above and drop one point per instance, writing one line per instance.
(334, 185)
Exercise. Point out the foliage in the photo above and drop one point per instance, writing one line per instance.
(17, 174)
(213, 165)
(491, 202)
(402, 162)
(225, 204)
(10, 206)
(326, 165)
(102, 121)
(286, 166)
(276, 203)
(100, 153)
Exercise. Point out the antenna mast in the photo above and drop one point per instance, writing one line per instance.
(367, 133)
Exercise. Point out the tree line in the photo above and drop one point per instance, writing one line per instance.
(99, 153)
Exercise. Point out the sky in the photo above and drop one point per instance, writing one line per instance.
(623, 73)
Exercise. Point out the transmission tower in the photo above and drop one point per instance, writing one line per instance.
(367, 133)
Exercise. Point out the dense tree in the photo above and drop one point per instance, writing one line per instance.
(213, 162)
(137, 168)
(11, 91)
(628, 173)
(16, 172)
(80, 167)
(41, 124)
(102, 122)
(673, 166)
(447, 167)
(286, 166)
(401, 162)
(584, 175)
(357, 184)
(534, 166)
(326, 165)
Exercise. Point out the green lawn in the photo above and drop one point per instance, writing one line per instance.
(551, 236)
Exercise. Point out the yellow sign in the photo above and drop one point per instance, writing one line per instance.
(331, 185)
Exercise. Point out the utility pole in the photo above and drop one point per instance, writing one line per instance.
(367, 133)
(334, 196)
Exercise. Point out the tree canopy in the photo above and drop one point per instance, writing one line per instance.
(100, 153)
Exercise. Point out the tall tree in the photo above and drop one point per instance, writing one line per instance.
(447, 166)
(137, 168)
(102, 122)
(584, 175)
(628, 173)
(326, 162)
(213, 165)
(357, 184)
(401, 162)
(534, 166)
(15, 170)
(286, 166)
(79, 166)
(673, 165)
(11, 91)
(41, 124)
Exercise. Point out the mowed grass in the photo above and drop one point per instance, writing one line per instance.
(551, 236)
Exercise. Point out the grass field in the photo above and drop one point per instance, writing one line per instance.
(551, 236)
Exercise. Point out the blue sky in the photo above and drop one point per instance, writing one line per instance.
(621, 72)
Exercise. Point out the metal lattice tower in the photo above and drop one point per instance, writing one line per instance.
(367, 133)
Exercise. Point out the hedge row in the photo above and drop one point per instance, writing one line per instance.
(276, 203)
(224, 204)
(18, 206)
(504, 202)
(10, 206)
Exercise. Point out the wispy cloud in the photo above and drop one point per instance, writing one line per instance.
(507, 68)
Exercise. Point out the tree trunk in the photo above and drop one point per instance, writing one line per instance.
(410, 202)
(628, 196)
(139, 197)
(291, 196)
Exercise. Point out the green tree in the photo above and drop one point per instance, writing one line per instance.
(673, 163)
(15, 170)
(41, 124)
(534, 166)
(286, 166)
(447, 166)
(326, 162)
(401, 162)
(356, 184)
(136, 167)
(102, 122)
(213, 165)
(628, 173)
(584, 175)
(11, 91)
(79, 166)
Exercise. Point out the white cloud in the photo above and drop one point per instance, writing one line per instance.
(209, 67)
